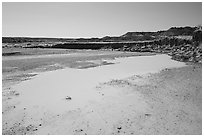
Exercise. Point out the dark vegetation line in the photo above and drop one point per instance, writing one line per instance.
(182, 43)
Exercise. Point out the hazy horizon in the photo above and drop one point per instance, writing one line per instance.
(88, 20)
(92, 37)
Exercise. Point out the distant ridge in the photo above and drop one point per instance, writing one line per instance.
(129, 36)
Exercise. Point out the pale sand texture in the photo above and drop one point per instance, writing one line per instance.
(127, 97)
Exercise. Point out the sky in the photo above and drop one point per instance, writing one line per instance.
(75, 20)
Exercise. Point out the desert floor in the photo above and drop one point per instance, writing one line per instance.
(56, 92)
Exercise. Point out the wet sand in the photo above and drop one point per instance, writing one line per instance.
(121, 100)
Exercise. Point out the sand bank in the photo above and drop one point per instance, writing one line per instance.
(108, 99)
